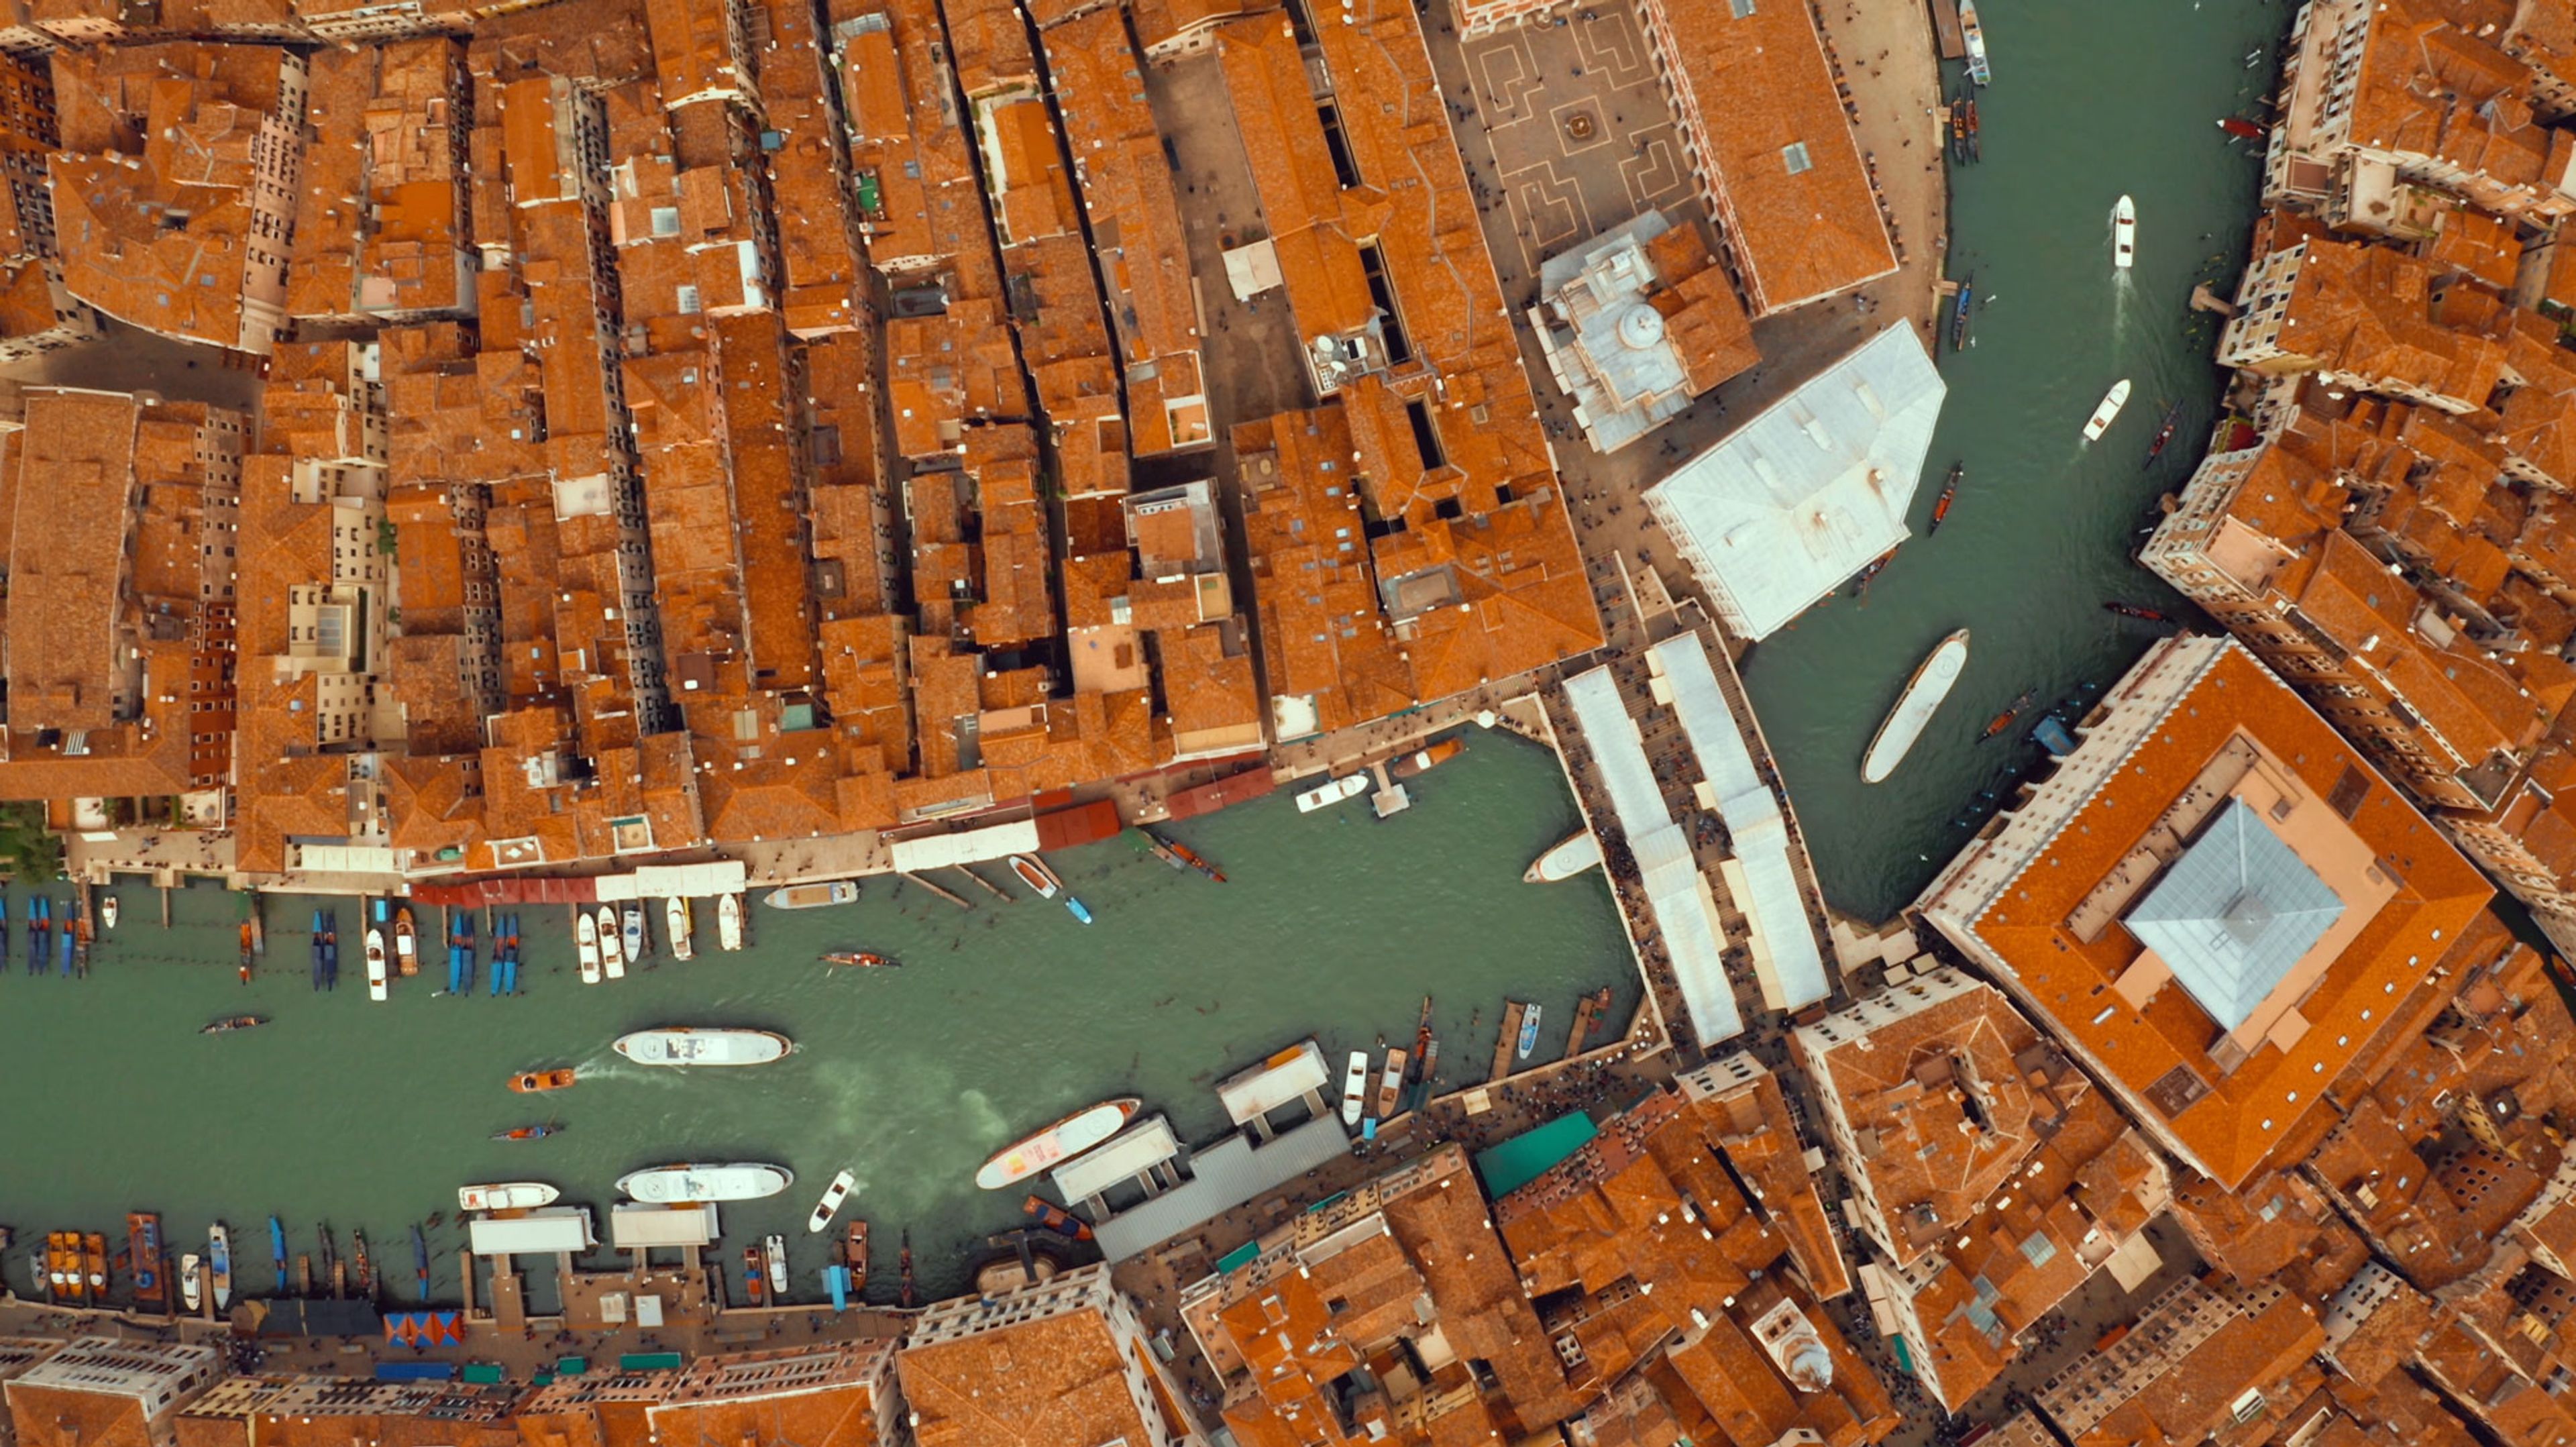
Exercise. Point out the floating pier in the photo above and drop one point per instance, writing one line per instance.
(1513, 1010)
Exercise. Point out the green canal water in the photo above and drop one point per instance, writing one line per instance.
(1001, 1019)
(2089, 101)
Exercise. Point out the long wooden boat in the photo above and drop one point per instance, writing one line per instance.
(813, 896)
(1933, 678)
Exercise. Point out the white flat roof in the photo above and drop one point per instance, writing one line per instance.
(1754, 824)
(1676, 893)
(546, 1231)
(1783, 509)
(636, 1225)
(1131, 1152)
(1282, 1078)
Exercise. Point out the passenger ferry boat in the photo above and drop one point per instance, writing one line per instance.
(682, 1045)
(679, 1185)
(1566, 858)
(1331, 792)
(1058, 1143)
(506, 1196)
(1931, 683)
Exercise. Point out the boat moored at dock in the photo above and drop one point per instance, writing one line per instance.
(1390, 1084)
(818, 895)
(2108, 412)
(1034, 873)
(1429, 758)
(683, 1045)
(1058, 1143)
(506, 1196)
(376, 964)
(537, 1082)
(406, 944)
(143, 1250)
(682, 929)
(1974, 35)
(632, 933)
(1331, 792)
(1566, 858)
(1529, 1033)
(585, 941)
(681, 1184)
(612, 954)
(1355, 1080)
(1931, 683)
(219, 1264)
(729, 923)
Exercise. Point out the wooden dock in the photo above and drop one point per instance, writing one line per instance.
(1513, 1010)
(1587, 1018)
(950, 895)
(1945, 29)
(995, 890)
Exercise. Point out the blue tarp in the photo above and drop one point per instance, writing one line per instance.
(415, 1371)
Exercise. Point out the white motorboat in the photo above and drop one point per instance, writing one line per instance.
(775, 1248)
(830, 1206)
(1332, 791)
(1914, 708)
(375, 963)
(1355, 1080)
(191, 1291)
(2124, 233)
(107, 912)
(680, 927)
(639, 940)
(1975, 36)
(818, 895)
(219, 1264)
(506, 1196)
(1565, 859)
(729, 922)
(612, 955)
(585, 940)
(684, 1045)
(679, 1185)
(2112, 402)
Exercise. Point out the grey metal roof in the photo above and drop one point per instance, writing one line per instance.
(2234, 914)
(1222, 1177)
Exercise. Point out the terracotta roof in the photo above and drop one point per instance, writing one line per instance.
(1040, 1383)
(1797, 206)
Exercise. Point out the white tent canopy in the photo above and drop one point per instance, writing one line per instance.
(1783, 509)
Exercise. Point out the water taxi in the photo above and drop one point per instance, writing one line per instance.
(775, 1248)
(528, 1132)
(612, 955)
(1975, 36)
(1529, 1033)
(375, 964)
(830, 1206)
(219, 1264)
(585, 943)
(406, 944)
(682, 1045)
(678, 1185)
(1931, 683)
(813, 896)
(1058, 1143)
(506, 1196)
(729, 922)
(855, 1255)
(1430, 758)
(638, 941)
(1390, 1082)
(1355, 1077)
(680, 927)
(1566, 858)
(538, 1082)
(860, 959)
(107, 911)
(2124, 233)
(2112, 402)
(1331, 792)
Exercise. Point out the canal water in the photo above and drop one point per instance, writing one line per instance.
(1000, 1020)
(2088, 102)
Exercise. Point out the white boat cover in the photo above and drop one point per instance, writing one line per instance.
(549, 1231)
(1796, 973)
(1676, 893)
(966, 846)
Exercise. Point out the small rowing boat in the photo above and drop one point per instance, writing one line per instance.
(2124, 233)
(830, 1206)
(2112, 402)
(860, 959)
(231, 1023)
(107, 911)
(538, 1082)
(1949, 494)
(2132, 610)
(1959, 313)
(2164, 433)
(729, 922)
(1877, 565)
(2003, 721)
(1034, 873)
(1180, 856)
(753, 1279)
